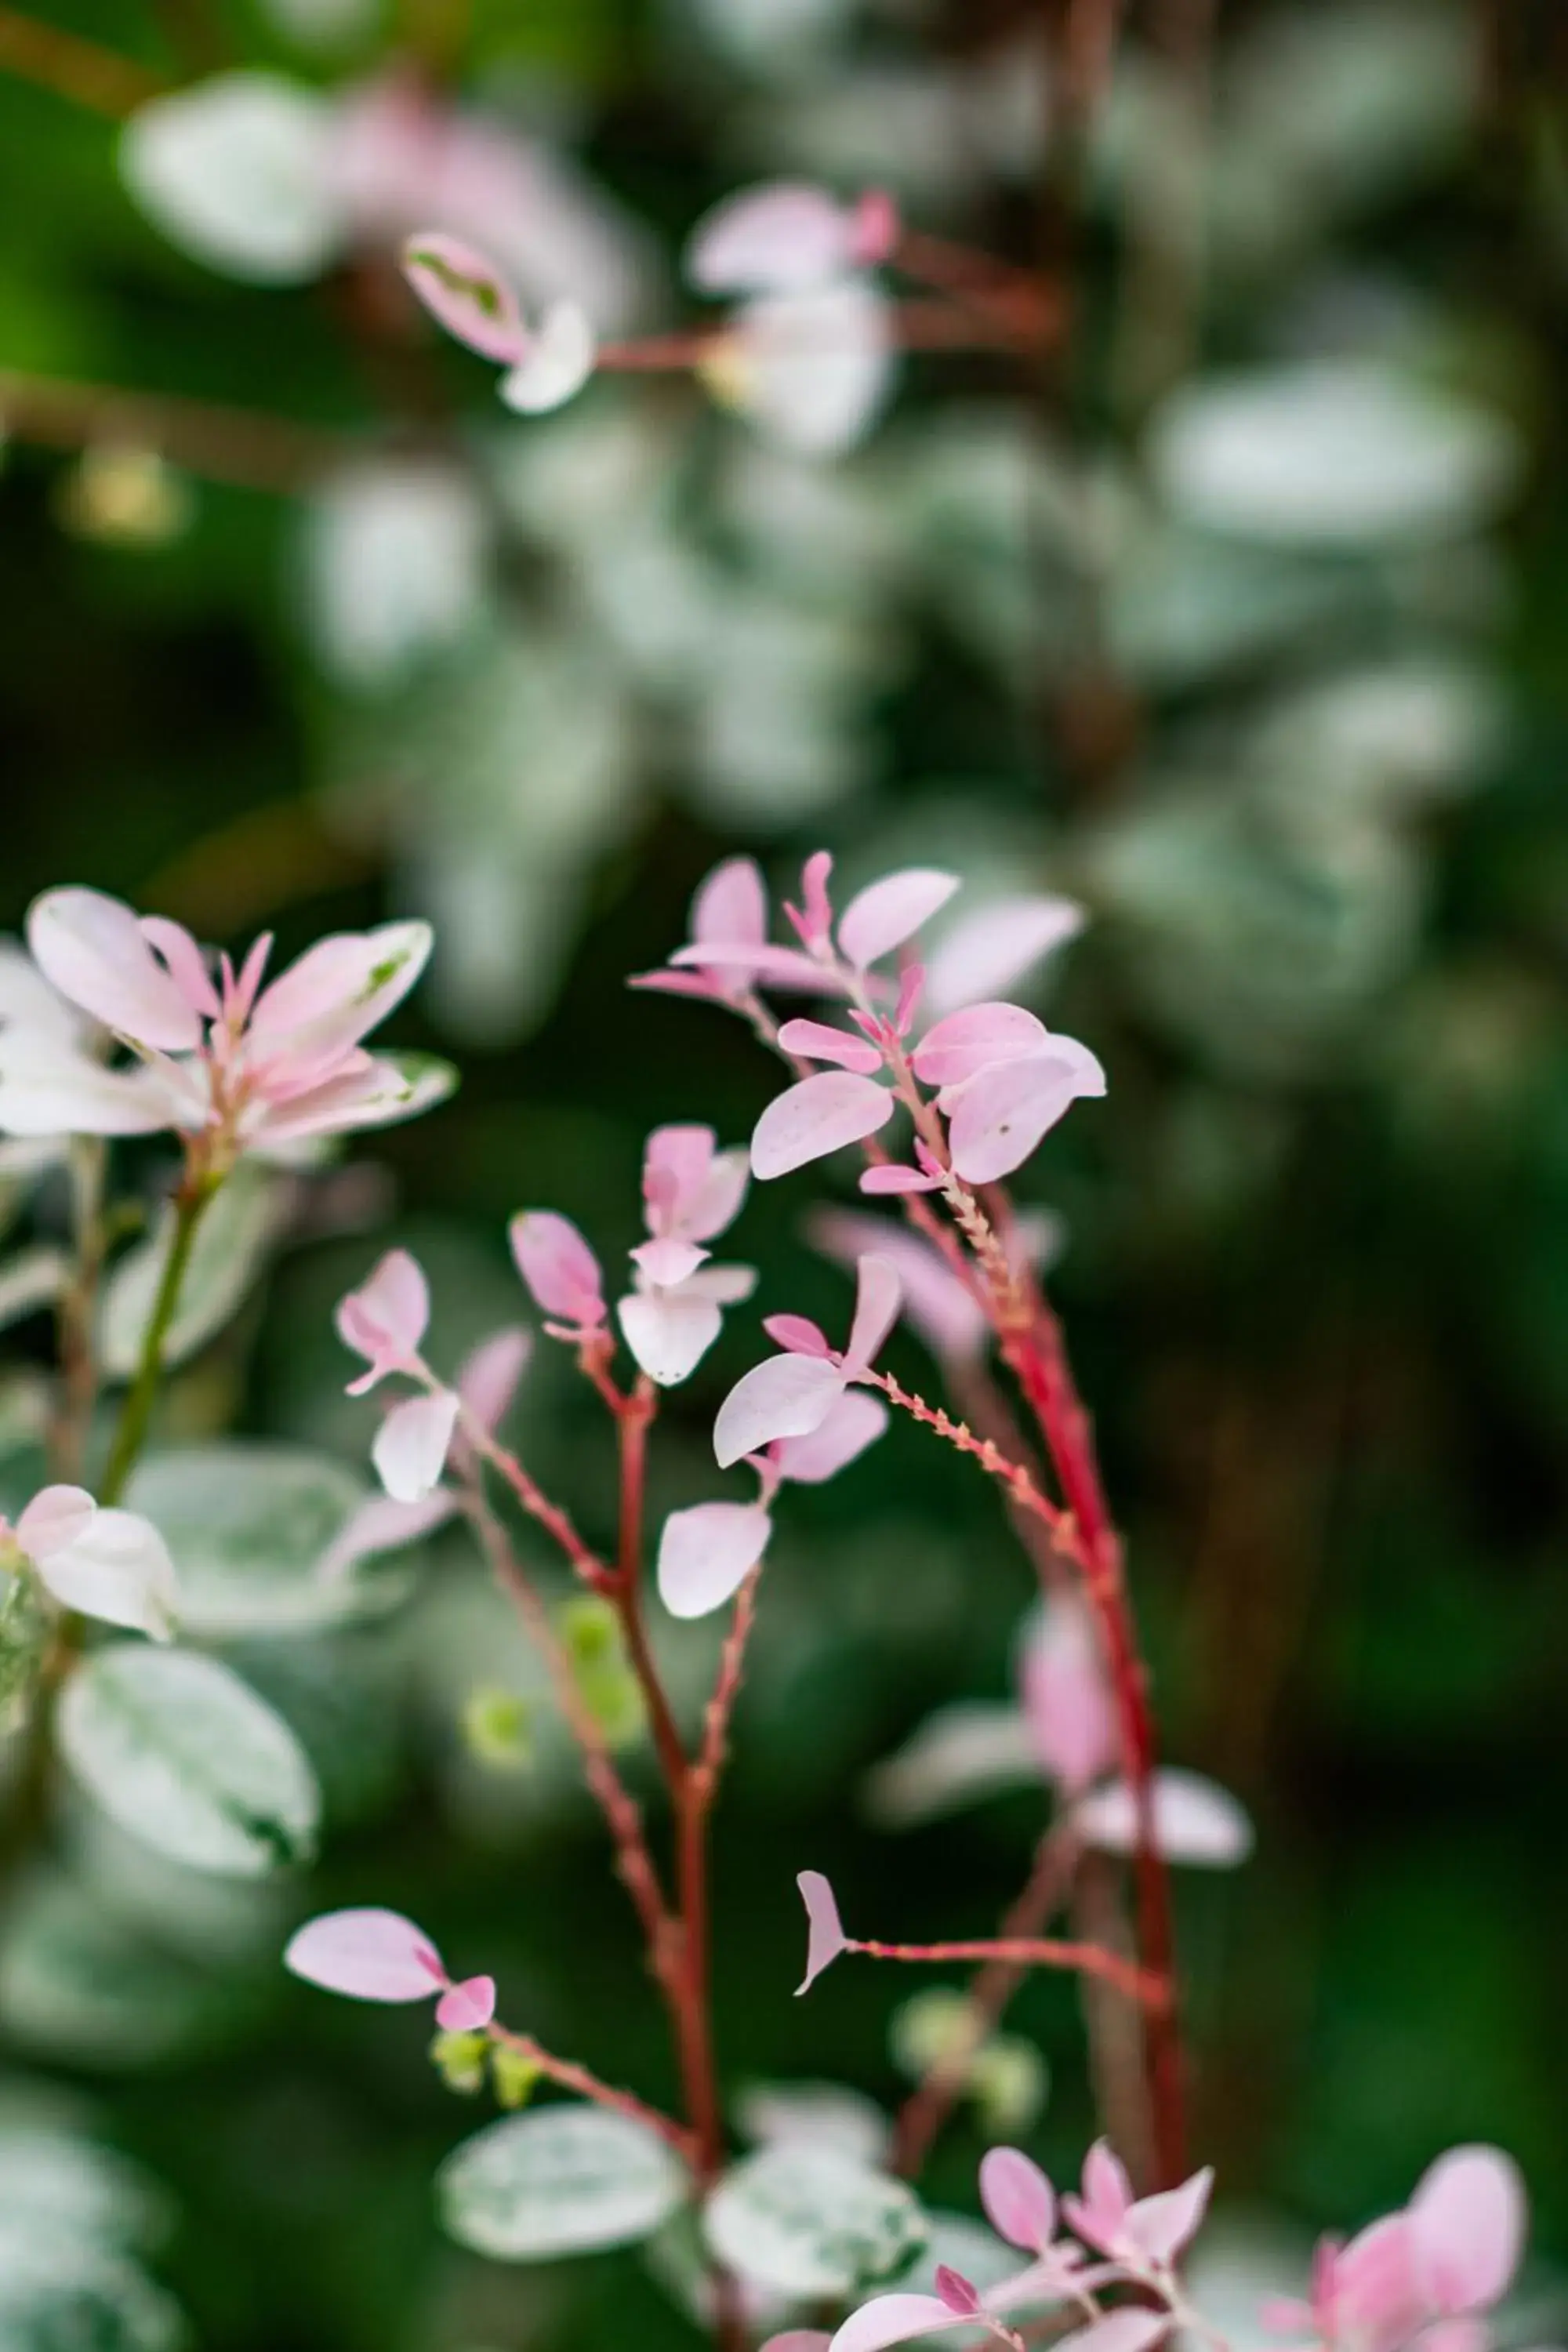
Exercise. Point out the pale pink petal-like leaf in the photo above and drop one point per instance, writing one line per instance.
(1132, 2329)
(883, 916)
(561, 356)
(1098, 2214)
(370, 1955)
(798, 1333)
(885, 1181)
(469, 2007)
(824, 1936)
(1195, 1820)
(115, 1568)
(770, 240)
(665, 1261)
(785, 1396)
(675, 1166)
(731, 905)
(711, 1207)
(969, 1750)
(819, 1116)
(879, 1295)
(336, 993)
(55, 1515)
(466, 294)
(558, 1266)
(185, 964)
(488, 1375)
(669, 1332)
(817, 1041)
(1020, 2203)
(1161, 2226)
(1004, 1110)
(1369, 2286)
(722, 1286)
(92, 949)
(854, 1421)
(1466, 2228)
(988, 951)
(385, 1089)
(799, 2339)
(947, 1315)
(1068, 1704)
(410, 1448)
(380, 1524)
(774, 967)
(706, 1554)
(953, 1049)
(386, 1318)
(893, 2319)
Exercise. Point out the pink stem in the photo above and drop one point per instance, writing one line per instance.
(1032, 1952)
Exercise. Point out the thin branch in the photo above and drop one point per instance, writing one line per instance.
(239, 447)
(1021, 1489)
(726, 1691)
(589, 2086)
(1031, 1952)
(75, 70)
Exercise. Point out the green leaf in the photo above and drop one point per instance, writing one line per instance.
(56, 2298)
(75, 1983)
(560, 2180)
(181, 1752)
(231, 1243)
(249, 1525)
(809, 2221)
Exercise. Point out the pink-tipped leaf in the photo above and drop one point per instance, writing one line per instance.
(882, 917)
(370, 1955)
(1466, 2228)
(467, 294)
(411, 1445)
(953, 1049)
(558, 1266)
(469, 2007)
(818, 1041)
(93, 950)
(820, 1115)
(706, 1554)
(824, 1936)
(894, 2319)
(1005, 1110)
(1020, 2203)
(784, 1396)
(855, 1420)
(879, 1295)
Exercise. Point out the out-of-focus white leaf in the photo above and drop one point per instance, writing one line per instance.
(232, 1240)
(395, 555)
(235, 170)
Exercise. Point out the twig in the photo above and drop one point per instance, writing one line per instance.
(589, 2086)
(239, 447)
(1032, 1952)
(726, 1690)
(75, 70)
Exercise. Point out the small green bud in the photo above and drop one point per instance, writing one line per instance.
(1008, 2082)
(929, 2030)
(514, 2075)
(591, 1631)
(459, 2060)
(498, 1728)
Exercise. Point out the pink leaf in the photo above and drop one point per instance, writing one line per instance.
(706, 1554)
(1466, 2228)
(1131, 2329)
(385, 1319)
(855, 1422)
(92, 949)
(816, 1041)
(799, 2339)
(488, 1375)
(466, 294)
(1195, 1820)
(335, 994)
(1067, 1701)
(825, 1937)
(946, 1314)
(185, 962)
(558, 1266)
(881, 917)
(896, 1180)
(669, 1333)
(666, 1262)
(56, 1517)
(771, 240)
(819, 1116)
(559, 358)
(369, 1955)
(991, 950)
(691, 1189)
(379, 1525)
(731, 905)
(1020, 2203)
(893, 2319)
(774, 967)
(469, 2007)
(968, 1041)
(879, 1295)
(410, 1447)
(798, 1333)
(1098, 2214)
(786, 1396)
(959, 2294)
(1163, 2225)
(1004, 1110)
(812, 368)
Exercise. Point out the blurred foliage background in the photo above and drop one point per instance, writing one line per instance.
(1244, 624)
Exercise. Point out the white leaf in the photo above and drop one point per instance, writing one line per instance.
(257, 1531)
(669, 1334)
(784, 1396)
(411, 1445)
(116, 1569)
(819, 1116)
(883, 916)
(706, 1554)
(809, 2221)
(562, 2180)
(181, 1752)
(236, 171)
(1195, 1820)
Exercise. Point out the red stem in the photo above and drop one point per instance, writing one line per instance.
(1032, 1952)
(589, 2086)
